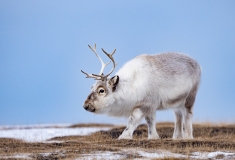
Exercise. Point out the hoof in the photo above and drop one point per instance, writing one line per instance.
(124, 137)
(154, 137)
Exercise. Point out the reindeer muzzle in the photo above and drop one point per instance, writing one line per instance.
(89, 107)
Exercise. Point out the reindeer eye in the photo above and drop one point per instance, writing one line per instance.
(101, 90)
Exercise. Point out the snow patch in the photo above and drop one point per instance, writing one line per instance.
(16, 156)
(101, 155)
(213, 155)
(43, 134)
(142, 153)
(160, 154)
(8, 127)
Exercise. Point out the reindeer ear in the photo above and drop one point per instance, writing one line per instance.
(113, 82)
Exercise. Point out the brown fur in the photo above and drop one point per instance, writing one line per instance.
(191, 99)
(113, 82)
(177, 99)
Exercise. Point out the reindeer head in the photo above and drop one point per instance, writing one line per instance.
(101, 92)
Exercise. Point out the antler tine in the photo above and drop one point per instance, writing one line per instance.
(112, 59)
(93, 49)
(102, 62)
(89, 75)
(109, 55)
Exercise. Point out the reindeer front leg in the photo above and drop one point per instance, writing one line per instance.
(134, 120)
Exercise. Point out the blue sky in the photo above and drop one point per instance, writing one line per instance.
(43, 47)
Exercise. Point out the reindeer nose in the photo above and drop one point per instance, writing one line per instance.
(86, 107)
(89, 107)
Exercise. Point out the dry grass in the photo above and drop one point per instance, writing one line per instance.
(207, 138)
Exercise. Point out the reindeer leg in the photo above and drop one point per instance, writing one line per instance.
(178, 130)
(150, 119)
(133, 122)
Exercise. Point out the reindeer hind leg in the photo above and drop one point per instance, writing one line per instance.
(188, 114)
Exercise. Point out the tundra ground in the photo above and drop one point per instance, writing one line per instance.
(208, 138)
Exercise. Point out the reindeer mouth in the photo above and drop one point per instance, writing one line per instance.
(89, 108)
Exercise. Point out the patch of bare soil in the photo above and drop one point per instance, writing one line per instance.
(91, 125)
(207, 138)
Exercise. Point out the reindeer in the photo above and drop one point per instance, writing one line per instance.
(143, 85)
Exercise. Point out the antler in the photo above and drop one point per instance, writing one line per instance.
(90, 75)
(101, 76)
(102, 63)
